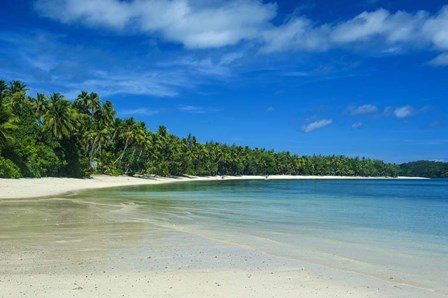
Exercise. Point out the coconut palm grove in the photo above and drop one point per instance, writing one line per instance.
(48, 135)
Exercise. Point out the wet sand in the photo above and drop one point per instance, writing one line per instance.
(72, 258)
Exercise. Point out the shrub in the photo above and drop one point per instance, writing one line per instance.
(8, 169)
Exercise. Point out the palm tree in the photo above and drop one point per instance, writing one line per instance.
(16, 86)
(16, 91)
(3, 89)
(146, 144)
(80, 103)
(108, 114)
(87, 103)
(94, 141)
(104, 117)
(93, 104)
(138, 139)
(59, 118)
(40, 106)
(7, 122)
(126, 134)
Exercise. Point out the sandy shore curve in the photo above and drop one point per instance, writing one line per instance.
(27, 188)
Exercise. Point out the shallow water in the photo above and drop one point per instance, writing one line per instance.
(388, 229)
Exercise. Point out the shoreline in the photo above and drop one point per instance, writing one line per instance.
(31, 188)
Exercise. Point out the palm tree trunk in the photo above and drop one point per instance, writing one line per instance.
(132, 158)
(139, 155)
(122, 153)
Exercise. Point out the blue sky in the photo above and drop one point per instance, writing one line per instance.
(359, 78)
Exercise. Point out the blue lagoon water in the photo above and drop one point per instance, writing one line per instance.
(386, 229)
(389, 229)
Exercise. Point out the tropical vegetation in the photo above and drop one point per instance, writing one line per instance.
(52, 136)
(425, 168)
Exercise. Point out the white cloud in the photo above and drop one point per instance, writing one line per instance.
(153, 83)
(357, 125)
(436, 28)
(230, 58)
(441, 60)
(198, 24)
(192, 109)
(297, 34)
(44, 57)
(362, 110)
(140, 111)
(194, 24)
(217, 67)
(379, 30)
(316, 125)
(196, 109)
(404, 112)
(392, 28)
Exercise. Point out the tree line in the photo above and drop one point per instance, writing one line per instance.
(425, 168)
(51, 136)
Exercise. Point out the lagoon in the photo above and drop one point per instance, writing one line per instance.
(388, 232)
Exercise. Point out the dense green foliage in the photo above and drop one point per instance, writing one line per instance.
(8, 169)
(425, 168)
(51, 136)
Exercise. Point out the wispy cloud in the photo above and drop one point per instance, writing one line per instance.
(362, 110)
(441, 60)
(404, 112)
(140, 111)
(219, 66)
(409, 111)
(380, 29)
(146, 111)
(435, 123)
(51, 61)
(192, 109)
(197, 110)
(357, 125)
(388, 111)
(296, 74)
(427, 142)
(162, 83)
(316, 125)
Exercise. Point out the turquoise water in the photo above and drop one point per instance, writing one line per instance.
(419, 207)
(389, 229)
(386, 229)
